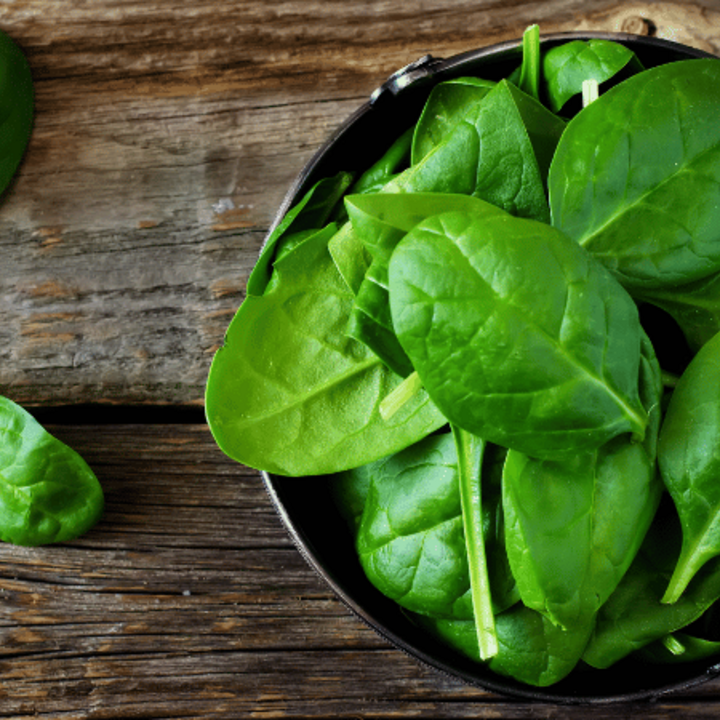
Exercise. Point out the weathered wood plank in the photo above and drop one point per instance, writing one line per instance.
(167, 134)
(188, 600)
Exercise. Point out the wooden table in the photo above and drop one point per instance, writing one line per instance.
(167, 134)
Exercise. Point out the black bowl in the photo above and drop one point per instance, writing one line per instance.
(306, 506)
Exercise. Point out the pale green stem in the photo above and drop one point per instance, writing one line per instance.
(590, 91)
(673, 645)
(470, 452)
(404, 392)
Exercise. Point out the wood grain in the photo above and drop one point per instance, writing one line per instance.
(167, 134)
(189, 600)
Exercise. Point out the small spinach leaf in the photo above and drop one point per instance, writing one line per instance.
(447, 105)
(565, 67)
(395, 159)
(48, 493)
(500, 152)
(545, 368)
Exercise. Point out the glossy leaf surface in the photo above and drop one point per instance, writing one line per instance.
(48, 493)
(290, 393)
(542, 367)
(689, 458)
(636, 176)
(566, 66)
(573, 527)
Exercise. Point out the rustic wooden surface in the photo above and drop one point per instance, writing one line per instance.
(167, 134)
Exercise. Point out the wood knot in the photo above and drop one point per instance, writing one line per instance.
(637, 25)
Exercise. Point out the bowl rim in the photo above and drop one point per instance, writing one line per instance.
(428, 70)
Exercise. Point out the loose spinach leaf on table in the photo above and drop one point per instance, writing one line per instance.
(689, 458)
(566, 66)
(48, 493)
(16, 108)
(290, 393)
(573, 527)
(545, 368)
(636, 176)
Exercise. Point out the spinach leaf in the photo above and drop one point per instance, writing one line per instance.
(381, 221)
(573, 527)
(350, 257)
(689, 461)
(312, 212)
(635, 177)
(500, 152)
(531, 649)
(634, 615)
(48, 493)
(410, 541)
(290, 393)
(16, 108)
(407, 515)
(447, 105)
(545, 368)
(565, 67)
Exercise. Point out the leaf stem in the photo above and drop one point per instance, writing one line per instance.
(470, 451)
(403, 393)
(590, 91)
(673, 645)
(529, 81)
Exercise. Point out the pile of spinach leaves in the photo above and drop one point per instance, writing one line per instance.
(459, 337)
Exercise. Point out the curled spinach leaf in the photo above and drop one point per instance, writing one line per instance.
(48, 493)
(545, 368)
(640, 195)
(690, 463)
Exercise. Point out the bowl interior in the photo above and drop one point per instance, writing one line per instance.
(306, 506)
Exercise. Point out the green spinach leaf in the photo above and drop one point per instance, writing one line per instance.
(689, 458)
(545, 368)
(448, 104)
(290, 393)
(48, 493)
(573, 527)
(500, 152)
(312, 213)
(16, 108)
(566, 66)
(636, 176)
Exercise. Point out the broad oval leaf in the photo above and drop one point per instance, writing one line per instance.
(636, 176)
(518, 335)
(48, 493)
(290, 393)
